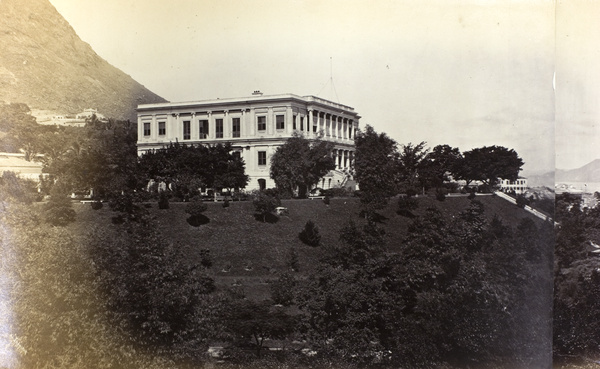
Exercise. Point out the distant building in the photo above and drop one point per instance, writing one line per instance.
(256, 126)
(519, 186)
(77, 120)
(15, 162)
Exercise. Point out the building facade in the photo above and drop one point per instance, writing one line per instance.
(519, 186)
(255, 126)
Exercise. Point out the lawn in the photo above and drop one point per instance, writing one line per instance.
(250, 253)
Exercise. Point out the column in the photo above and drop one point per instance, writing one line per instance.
(270, 121)
(243, 123)
(153, 128)
(309, 121)
(252, 125)
(194, 127)
(334, 126)
(140, 128)
(289, 119)
(211, 126)
(178, 129)
(226, 125)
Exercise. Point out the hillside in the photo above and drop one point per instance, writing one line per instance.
(254, 252)
(45, 64)
(587, 173)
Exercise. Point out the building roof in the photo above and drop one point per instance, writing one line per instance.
(249, 100)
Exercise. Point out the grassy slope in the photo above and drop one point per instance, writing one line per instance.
(236, 238)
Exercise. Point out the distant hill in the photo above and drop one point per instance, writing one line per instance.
(587, 173)
(541, 180)
(44, 64)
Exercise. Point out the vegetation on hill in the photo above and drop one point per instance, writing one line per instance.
(417, 282)
(576, 281)
(399, 267)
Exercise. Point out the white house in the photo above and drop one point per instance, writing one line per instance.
(256, 126)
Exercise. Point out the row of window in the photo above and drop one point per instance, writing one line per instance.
(261, 125)
(203, 128)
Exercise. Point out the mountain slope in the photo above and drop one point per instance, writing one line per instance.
(44, 64)
(587, 173)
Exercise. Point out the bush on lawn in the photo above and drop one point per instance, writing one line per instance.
(310, 234)
(282, 290)
(163, 200)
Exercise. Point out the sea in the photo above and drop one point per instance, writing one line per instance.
(577, 187)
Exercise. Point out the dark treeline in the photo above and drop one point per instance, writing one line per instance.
(576, 281)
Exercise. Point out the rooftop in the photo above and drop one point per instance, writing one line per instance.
(248, 100)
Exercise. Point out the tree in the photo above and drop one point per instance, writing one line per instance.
(59, 210)
(191, 167)
(300, 163)
(265, 204)
(349, 303)
(152, 289)
(489, 163)
(284, 289)
(258, 321)
(310, 234)
(411, 160)
(438, 164)
(377, 165)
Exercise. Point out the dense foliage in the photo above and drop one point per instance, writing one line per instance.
(456, 294)
(576, 280)
(377, 168)
(489, 163)
(300, 163)
(152, 290)
(185, 169)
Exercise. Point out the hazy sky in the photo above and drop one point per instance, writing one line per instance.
(465, 73)
(578, 83)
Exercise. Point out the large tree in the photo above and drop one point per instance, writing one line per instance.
(190, 167)
(411, 158)
(376, 165)
(438, 164)
(488, 163)
(300, 163)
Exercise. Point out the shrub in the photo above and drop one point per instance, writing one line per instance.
(310, 234)
(163, 200)
(226, 203)
(292, 261)
(326, 200)
(522, 201)
(440, 194)
(282, 290)
(205, 258)
(410, 192)
(471, 195)
(195, 208)
(122, 203)
(265, 203)
(96, 205)
(406, 205)
(59, 210)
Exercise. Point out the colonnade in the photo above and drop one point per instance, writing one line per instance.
(332, 126)
(343, 158)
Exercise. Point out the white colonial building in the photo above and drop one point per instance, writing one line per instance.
(519, 186)
(256, 126)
